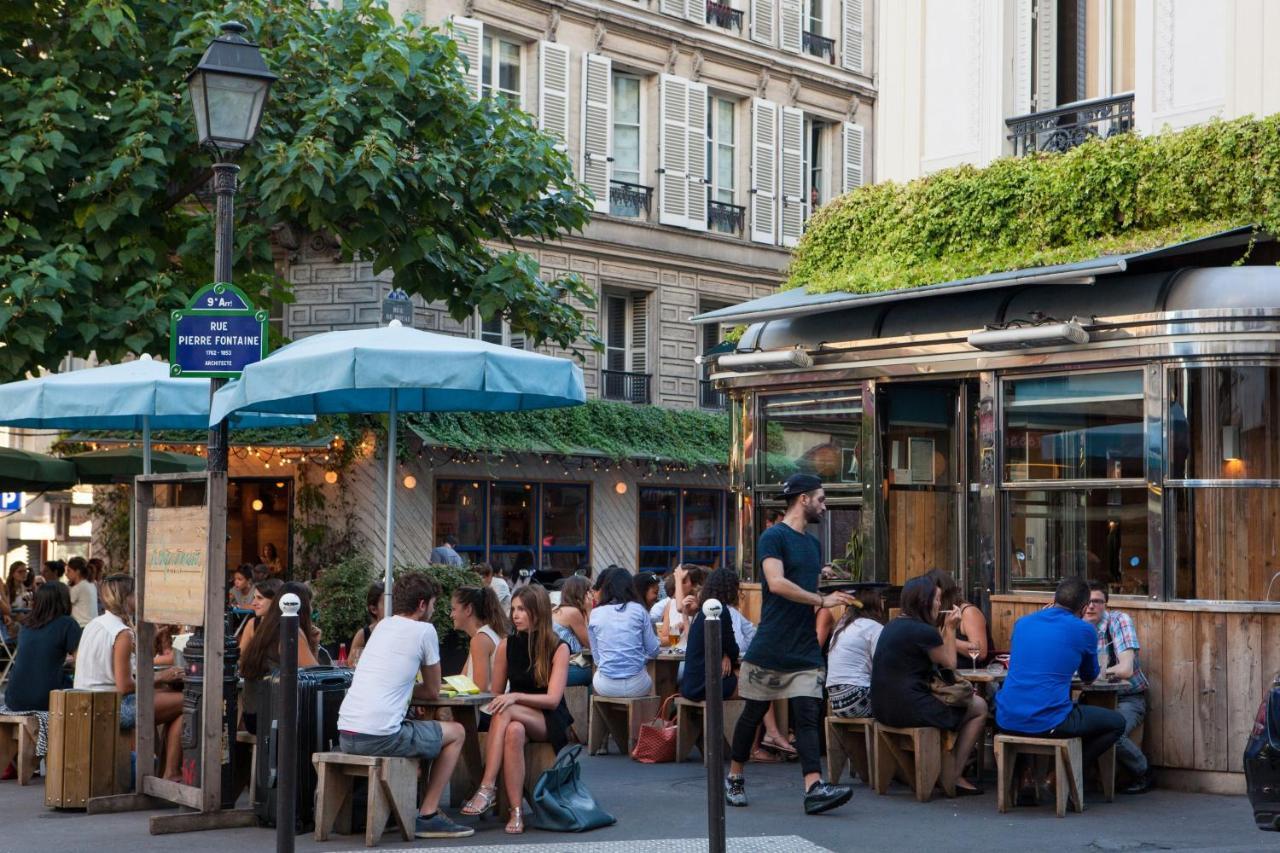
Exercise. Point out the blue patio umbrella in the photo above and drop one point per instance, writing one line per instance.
(134, 395)
(394, 369)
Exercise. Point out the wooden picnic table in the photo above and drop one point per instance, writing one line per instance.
(464, 710)
(664, 670)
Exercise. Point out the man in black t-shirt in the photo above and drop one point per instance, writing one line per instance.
(784, 660)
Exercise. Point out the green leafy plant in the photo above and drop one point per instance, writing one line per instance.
(448, 578)
(1123, 194)
(111, 514)
(340, 595)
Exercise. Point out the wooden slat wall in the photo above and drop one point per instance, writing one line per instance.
(921, 533)
(1207, 667)
(1234, 531)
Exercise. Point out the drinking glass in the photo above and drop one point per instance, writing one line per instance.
(973, 656)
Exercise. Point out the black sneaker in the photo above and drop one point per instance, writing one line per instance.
(735, 791)
(823, 796)
(1142, 784)
(440, 826)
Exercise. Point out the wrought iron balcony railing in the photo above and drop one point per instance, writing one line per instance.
(711, 397)
(726, 218)
(723, 15)
(1070, 125)
(816, 45)
(631, 200)
(623, 385)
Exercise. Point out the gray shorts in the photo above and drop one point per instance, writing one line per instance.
(416, 739)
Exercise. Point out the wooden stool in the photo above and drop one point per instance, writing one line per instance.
(1068, 768)
(537, 758)
(691, 725)
(250, 740)
(619, 718)
(850, 741)
(930, 759)
(88, 754)
(18, 734)
(393, 791)
(578, 701)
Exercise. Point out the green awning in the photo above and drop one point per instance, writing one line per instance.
(25, 471)
(122, 464)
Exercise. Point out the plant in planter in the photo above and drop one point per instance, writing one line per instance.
(850, 564)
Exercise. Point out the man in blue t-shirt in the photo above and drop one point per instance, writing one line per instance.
(1048, 648)
(784, 660)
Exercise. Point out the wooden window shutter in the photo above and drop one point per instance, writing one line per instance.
(673, 151)
(793, 200)
(762, 21)
(639, 332)
(553, 90)
(697, 159)
(852, 149)
(791, 24)
(764, 171)
(597, 127)
(469, 34)
(851, 36)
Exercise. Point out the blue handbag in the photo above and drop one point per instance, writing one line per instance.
(560, 801)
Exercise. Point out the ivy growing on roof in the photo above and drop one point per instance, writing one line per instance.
(1124, 194)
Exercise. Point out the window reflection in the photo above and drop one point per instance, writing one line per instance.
(1098, 534)
(815, 434)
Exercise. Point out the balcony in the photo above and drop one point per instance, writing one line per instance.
(621, 385)
(726, 218)
(711, 397)
(1065, 127)
(630, 200)
(819, 46)
(724, 16)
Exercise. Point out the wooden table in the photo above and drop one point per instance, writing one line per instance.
(665, 672)
(465, 710)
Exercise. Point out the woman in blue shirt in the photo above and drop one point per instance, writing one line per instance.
(622, 638)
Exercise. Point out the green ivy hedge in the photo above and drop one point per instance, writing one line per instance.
(1120, 195)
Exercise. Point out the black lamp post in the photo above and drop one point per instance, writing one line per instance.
(228, 89)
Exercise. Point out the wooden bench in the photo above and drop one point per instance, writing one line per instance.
(1068, 768)
(88, 754)
(691, 725)
(851, 741)
(619, 718)
(393, 792)
(578, 701)
(929, 761)
(18, 734)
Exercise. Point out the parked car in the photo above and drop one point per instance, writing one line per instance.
(1262, 761)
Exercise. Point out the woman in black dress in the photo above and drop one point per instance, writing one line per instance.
(908, 651)
(536, 663)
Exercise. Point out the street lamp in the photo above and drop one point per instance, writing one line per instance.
(228, 89)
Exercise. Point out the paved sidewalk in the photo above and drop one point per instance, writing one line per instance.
(658, 802)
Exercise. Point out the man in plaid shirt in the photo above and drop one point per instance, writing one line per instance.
(1118, 659)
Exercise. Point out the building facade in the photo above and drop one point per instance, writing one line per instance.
(967, 81)
(708, 133)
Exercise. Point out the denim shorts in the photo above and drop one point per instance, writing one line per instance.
(416, 739)
(129, 712)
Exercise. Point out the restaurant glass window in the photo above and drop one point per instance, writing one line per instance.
(684, 526)
(813, 433)
(1222, 481)
(659, 529)
(1099, 534)
(566, 509)
(1078, 426)
(460, 507)
(702, 527)
(512, 526)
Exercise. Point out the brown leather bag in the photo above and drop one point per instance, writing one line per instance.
(656, 740)
(950, 688)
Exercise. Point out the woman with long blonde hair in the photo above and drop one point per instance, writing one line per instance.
(536, 663)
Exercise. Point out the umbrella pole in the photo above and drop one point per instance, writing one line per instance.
(146, 444)
(391, 505)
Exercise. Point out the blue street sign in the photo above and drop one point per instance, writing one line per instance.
(218, 334)
(397, 306)
(11, 501)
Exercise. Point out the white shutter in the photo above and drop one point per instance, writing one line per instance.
(762, 22)
(1046, 80)
(791, 20)
(851, 36)
(639, 333)
(553, 90)
(793, 201)
(597, 126)
(1022, 87)
(675, 8)
(673, 151)
(696, 10)
(852, 142)
(470, 37)
(764, 170)
(697, 160)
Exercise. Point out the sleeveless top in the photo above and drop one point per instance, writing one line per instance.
(95, 657)
(493, 638)
(520, 676)
(565, 633)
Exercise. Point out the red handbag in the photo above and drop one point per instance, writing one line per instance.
(656, 740)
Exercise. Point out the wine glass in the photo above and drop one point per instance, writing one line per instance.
(973, 656)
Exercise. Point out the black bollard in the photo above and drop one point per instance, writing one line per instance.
(287, 740)
(714, 740)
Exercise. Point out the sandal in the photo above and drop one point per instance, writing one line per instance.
(515, 826)
(765, 756)
(783, 747)
(484, 799)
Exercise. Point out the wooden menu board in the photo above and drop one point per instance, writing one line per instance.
(175, 562)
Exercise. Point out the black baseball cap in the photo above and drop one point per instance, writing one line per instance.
(798, 484)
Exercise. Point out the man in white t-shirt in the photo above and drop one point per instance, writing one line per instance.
(84, 595)
(372, 720)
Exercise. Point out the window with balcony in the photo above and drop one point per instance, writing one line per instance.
(625, 324)
(814, 40)
(710, 397)
(722, 214)
(627, 195)
(500, 70)
(721, 13)
(815, 165)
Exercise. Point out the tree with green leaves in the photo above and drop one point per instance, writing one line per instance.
(370, 135)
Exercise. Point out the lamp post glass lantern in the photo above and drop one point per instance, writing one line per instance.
(228, 90)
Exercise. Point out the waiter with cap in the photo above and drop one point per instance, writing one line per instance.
(784, 660)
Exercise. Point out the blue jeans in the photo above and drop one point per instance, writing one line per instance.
(1133, 707)
(579, 676)
(1097, 728)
